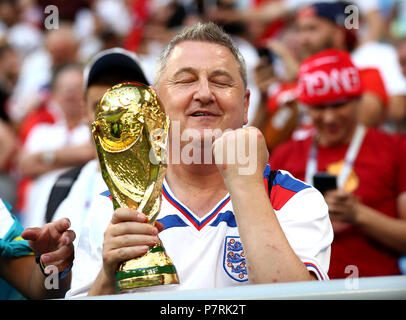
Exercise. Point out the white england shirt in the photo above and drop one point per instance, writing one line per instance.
(207, 252)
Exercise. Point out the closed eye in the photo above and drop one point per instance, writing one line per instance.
(221, 83)
(221, 78)
(184, 81)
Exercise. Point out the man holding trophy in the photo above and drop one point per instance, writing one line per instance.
(205, 188)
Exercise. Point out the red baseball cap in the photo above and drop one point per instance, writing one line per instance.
(328, 77)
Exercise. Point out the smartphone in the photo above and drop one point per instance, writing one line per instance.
(324, 181)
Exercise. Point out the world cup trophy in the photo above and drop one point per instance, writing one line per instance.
(131, 136)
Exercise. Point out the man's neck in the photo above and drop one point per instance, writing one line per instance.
(200, 187)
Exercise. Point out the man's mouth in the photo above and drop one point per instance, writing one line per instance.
(201, 114)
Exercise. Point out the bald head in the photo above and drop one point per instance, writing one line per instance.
(62, 45)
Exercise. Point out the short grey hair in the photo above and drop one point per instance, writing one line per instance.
(206, 32)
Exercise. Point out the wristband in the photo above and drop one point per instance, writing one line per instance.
(61, 275)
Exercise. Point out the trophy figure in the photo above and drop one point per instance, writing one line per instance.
(130, 133)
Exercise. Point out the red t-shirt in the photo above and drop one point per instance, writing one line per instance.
(379, 176)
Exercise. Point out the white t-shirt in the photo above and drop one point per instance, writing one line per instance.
(42, 138)
(207, 251)
(87, 187)
(6, 220)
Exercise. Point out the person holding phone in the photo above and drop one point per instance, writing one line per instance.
(368, 204)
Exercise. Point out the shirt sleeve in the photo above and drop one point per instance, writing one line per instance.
(307, 227)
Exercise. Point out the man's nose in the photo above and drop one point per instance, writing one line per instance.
(329, 115)
(203, 92)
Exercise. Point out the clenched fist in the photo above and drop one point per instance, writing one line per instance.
(241, 155)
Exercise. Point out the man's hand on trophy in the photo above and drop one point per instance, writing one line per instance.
(127, 236)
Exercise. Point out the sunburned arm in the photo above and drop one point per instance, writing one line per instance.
(32, 164)
(269, 256)
(391, 232)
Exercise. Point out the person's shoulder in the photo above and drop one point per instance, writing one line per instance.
(288, 150)
(380, 138)
(295, 199)
(284, 187)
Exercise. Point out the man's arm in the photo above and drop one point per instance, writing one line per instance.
(35, 164)
(25, 275)
(54, 242)
(389, 231)
(8, 144)
(269, 256)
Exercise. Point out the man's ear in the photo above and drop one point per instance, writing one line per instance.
(246, 105)
(156, 91)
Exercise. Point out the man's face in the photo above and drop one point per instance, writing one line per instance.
(315, 34)
(94, 94)
(68, 92)
(201, 87)
(334, 123)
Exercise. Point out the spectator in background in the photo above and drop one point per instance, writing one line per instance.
(32, 88)
(67, 143)
(15, 26)
(368, 208)
(322, 26)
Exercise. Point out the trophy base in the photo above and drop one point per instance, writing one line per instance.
(146, 281)
(152, 269)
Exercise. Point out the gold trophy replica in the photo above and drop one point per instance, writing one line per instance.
(131, 132)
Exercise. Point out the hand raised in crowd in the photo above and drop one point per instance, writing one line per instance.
(264, 76)
(54, 242)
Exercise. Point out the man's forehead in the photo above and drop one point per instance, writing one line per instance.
(193, 54)
(194, 47)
